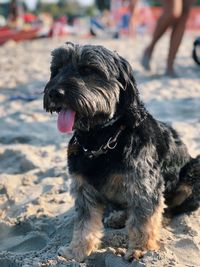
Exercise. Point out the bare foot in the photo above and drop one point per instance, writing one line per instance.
(146, 59)
(171, 73)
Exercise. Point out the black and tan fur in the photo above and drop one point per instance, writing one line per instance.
(144, 167)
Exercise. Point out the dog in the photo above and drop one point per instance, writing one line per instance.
(118, 154)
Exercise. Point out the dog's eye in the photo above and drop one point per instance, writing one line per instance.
(84, 70)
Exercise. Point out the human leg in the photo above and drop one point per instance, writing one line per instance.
(132, 5)
(178, 28)
(171, 11)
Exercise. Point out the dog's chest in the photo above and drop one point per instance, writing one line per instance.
(110, 185)
(104, 173)
(114, 190)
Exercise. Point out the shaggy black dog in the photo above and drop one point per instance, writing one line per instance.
(119, 154)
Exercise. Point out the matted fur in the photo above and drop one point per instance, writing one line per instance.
(119, 154)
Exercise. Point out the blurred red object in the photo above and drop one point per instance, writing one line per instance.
(29, 18)
(7, 34)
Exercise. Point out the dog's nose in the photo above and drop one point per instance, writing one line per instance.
(56, 94)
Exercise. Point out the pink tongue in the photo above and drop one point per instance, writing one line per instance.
(65, 120)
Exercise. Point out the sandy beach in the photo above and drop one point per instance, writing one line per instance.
(36, 209)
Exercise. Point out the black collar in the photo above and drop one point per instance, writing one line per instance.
(109, 145)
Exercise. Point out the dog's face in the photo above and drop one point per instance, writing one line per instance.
(93, 82)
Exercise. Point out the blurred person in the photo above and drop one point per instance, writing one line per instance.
(15, 14)
(175, 15)
(132, 8)
(123, 12)
(13, 11)
(104, 25)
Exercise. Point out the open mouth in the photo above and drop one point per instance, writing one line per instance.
(51, 106)
(66, 117)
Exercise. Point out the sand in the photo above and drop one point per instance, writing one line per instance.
(36, 209)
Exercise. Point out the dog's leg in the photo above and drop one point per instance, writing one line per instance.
(144, 230)
(88, 228)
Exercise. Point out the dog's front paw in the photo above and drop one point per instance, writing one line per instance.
(72, 253)
(134, 254)
(65, 252)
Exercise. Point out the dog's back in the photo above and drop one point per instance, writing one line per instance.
(181, 173)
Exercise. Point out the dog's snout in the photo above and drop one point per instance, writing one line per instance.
(56, 94)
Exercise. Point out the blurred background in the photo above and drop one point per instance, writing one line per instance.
(35, 204)
(106, 18)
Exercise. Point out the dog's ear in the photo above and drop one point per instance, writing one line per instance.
(133, 106)
(61, 57)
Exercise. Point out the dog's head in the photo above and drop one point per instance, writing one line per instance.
(90, 86)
